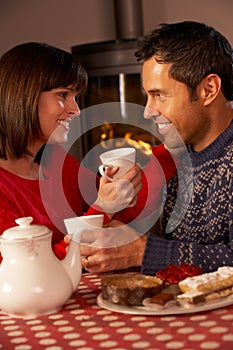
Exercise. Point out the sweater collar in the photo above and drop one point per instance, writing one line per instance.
(215, 149)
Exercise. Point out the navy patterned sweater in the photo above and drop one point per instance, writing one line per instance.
(200, 230)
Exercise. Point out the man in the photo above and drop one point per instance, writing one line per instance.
(188, 78)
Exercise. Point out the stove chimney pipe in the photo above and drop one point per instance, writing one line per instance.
(128, 19)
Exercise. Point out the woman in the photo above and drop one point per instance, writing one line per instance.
(39, 88)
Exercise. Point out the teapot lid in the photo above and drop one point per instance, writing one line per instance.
(24, 230)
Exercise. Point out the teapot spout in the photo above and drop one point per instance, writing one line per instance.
(72, 263)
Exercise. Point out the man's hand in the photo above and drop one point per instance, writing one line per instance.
(112, 248)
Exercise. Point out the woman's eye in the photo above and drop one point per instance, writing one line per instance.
(62, 94)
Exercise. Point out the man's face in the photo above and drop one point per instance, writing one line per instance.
(177, 119)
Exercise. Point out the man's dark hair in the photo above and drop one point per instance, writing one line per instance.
(194, 51)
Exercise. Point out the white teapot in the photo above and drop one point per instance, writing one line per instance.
(33, 281)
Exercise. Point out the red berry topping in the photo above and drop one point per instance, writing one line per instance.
(173, 274)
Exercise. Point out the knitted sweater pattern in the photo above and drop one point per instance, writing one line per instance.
(202, 234)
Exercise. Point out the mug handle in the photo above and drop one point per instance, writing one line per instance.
(101, 170)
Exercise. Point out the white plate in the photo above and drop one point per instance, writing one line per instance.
(173, 310)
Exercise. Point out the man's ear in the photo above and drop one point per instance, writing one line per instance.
(210, 88)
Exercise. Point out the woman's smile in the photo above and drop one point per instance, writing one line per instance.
(65, 122)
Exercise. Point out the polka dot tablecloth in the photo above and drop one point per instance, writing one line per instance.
(82, 324)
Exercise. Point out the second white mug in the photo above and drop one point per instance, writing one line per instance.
(76, 225)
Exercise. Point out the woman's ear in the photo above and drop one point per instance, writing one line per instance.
(210, 88)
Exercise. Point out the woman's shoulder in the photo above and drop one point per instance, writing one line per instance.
(58, 156)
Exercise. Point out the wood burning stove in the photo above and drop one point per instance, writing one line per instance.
(114, 75)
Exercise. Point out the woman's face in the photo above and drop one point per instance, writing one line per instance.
(56, 109)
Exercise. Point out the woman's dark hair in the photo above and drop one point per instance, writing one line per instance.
(194, 51)
(26, 71)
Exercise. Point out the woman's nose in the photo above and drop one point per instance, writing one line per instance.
(74, 109)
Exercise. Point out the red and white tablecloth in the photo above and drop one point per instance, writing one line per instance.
(82, 324)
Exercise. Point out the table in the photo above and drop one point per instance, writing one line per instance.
(82, 324)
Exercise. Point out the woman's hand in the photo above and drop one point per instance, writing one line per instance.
(121, 193)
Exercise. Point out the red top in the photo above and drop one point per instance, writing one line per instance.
(57, 197)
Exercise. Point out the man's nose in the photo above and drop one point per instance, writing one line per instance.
(151, 108)
(150, 112)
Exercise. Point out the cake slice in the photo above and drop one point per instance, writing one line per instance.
(161, 298)
(191, 298)
(129, 289)
(209, 282)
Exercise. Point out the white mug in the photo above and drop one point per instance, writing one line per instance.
(124, 158)
(76, 225)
